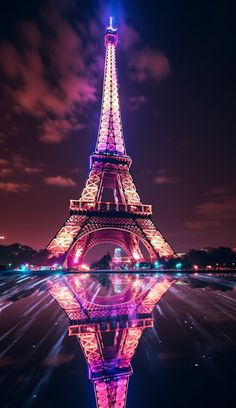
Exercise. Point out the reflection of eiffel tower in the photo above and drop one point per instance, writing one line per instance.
(109, 209)
(108, 320)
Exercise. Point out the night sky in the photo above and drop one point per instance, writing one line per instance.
(176, 70)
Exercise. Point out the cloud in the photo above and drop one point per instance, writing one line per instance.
(51, 73)
(148, 64)
(129, 37)
(30, 33)
(14, 164)
(218, 209)
(144, 62)
(4, 172)
(33, 170)
(54, 130)
(12, 187)
(60, 181)
(3, 162)
(218, 191)
(163, 177)
(202, 225)
(2, 137)
(15, 173)
(17, 165)
(135, 102)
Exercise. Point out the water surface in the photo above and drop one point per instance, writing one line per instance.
(187, 359)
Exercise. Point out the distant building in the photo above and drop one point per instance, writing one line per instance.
(119, 261)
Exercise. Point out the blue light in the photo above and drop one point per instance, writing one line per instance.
(110, 28)
(110, 22)
(178, 265)
(24, 267)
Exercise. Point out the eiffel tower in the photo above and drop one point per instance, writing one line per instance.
(108, 321)
(109, 209)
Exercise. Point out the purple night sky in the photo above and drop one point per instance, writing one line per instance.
(176, 72)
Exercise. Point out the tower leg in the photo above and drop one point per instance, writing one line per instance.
(135, 248)
(155, 238)
(65, 237)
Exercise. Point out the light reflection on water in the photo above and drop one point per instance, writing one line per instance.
(191, 339)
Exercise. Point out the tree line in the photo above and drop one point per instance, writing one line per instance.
(14, 255)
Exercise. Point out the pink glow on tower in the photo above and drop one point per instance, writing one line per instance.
(122, 219)
(110, 135)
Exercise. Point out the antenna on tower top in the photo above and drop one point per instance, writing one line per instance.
(110, 23)
(111, 30)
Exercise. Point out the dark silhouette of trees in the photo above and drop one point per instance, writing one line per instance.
(215, 257)
(103, 263)
(196, 257)
(222, 256)
(14, 255)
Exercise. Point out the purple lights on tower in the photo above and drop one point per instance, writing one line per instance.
(110, 135)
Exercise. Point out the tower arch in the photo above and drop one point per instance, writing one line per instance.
(127, 240)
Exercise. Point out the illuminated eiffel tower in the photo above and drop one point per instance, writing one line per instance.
(121, 219)
(108, 315)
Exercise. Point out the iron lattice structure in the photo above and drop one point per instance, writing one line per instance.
(108, 320)
(123, 219)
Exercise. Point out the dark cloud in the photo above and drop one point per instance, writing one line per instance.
(201, 225)
(218, 209)
(129, 36)
(145, 63)
(55, 130)
(2, 137)
(51, 72)
(148, 64)
(14, 167)
(135, 102)
(218, 191)
(33, 170)
(164, 177)
(213, 213)
(14, 187)
(49, 89)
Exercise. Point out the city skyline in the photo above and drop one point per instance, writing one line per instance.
(51, 74)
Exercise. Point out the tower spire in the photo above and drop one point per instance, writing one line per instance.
(110, 23)
(110, 134)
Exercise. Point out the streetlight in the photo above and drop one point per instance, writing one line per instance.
(178, 265)
(1, 239)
